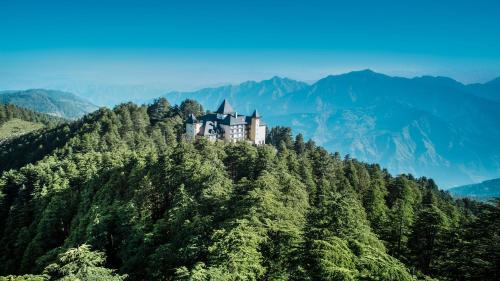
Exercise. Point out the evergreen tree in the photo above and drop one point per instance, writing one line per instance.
(280, 136)
(374, 202)
(428, 229)
(81, 264)
(189, 106)
(299, 145)
(401, 216)
(159, 110)
(161, 208)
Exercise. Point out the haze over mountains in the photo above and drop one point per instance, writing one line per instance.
(485, 190)
(52, 102)
(427, 126)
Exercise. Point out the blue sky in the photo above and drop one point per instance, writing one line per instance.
(189, 44)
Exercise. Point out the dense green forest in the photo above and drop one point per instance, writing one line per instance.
(11, 111)
(119, 195)
(16, 121)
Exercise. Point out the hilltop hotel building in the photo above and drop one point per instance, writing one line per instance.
(227, 125)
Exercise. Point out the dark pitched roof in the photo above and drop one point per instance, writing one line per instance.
(225, 108)
(227, 119)
(210, 117)
(255, 114)
(233, 120)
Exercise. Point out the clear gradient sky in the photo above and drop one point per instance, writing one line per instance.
(189, 44)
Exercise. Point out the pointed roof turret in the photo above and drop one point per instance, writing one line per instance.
(191, 119)
(255, 114)
(225, 108)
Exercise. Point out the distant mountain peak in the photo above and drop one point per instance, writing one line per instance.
(280, 80)
(494, 82)
(441, 79)
(283, 83)
(425, 125)
(365, 71)
(485, 190)
(353, 75)
(52, 102)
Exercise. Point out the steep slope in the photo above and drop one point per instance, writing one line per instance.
(222, 190)
(430, 126)
(16, 121)
(161, 208)
(245, 97)
(489, 90)
(485, 190)
(56, 103)
(17, 127)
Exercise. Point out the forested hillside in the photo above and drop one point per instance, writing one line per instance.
(16, 121)
(120, 189)
(55, 103)
(428, 126)
(485, 190)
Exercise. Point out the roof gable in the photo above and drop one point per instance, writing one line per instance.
(225, 108)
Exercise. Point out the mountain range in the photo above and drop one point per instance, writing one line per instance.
(427, 126)
(485, 190)
(52, 102)
(123, 193)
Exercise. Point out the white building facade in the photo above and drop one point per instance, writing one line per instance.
(227, 125)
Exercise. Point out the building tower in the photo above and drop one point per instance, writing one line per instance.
(257, 130)
(192, 127)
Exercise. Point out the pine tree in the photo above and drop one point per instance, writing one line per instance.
(401, 216)
(81, 264)
(299, 144)
(427, 231)
(159, 110)
(190, 106)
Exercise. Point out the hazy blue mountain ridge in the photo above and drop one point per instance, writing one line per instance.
(247, 96)
(489, 90)
(56, 103)
(485, 190)
(429, 126)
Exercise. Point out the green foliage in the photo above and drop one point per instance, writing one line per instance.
(473, 251)
(11, 111)
(340, 245)
(190, 106)
(160, 208)
(27, 277)
(16, 121)
(55, 103)
(159, 110)
(280, 136)
(81, 264)
(428, 228)
(17, 127)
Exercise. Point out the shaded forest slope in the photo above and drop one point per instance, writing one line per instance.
(124, 182)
